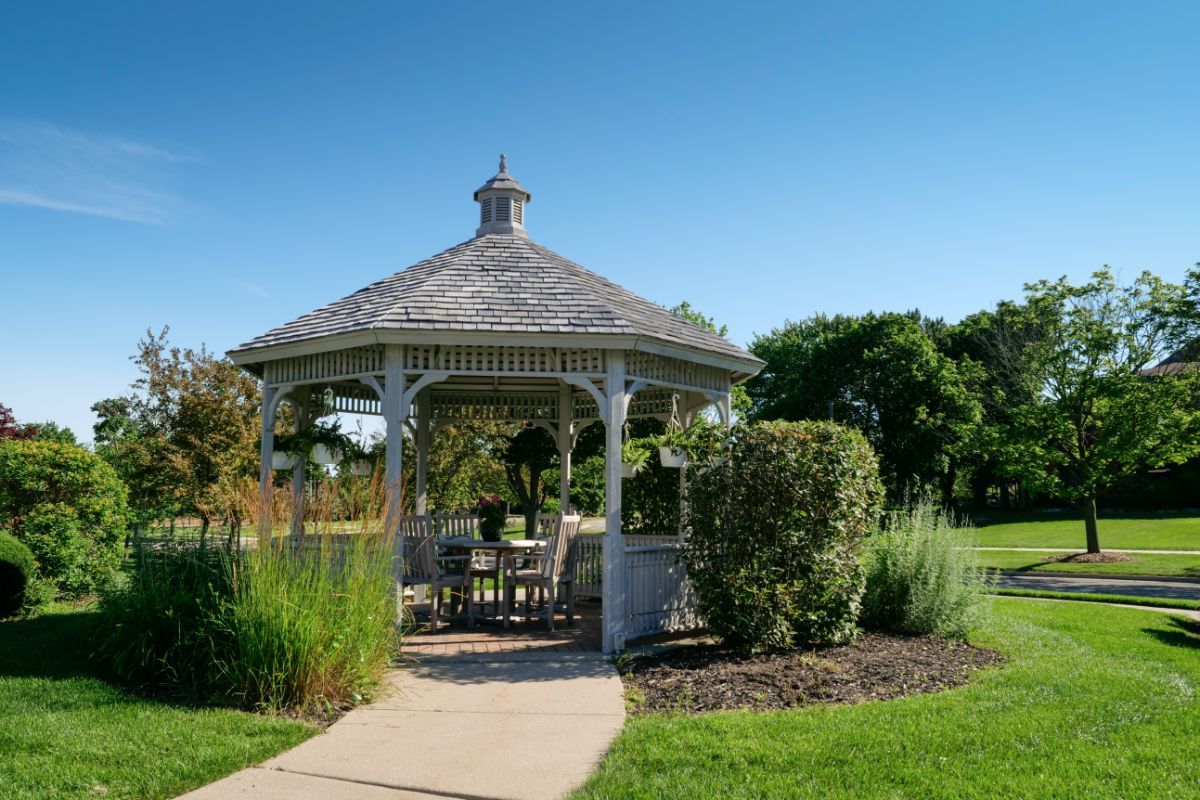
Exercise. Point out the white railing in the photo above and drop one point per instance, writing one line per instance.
(660, 597)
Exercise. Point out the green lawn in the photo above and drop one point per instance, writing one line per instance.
(1149, 531)
(1146, 564)
(67, 733)
(1094, 702)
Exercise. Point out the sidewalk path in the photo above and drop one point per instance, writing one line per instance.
(1099, 584)
(1107, 550)
(501, 726)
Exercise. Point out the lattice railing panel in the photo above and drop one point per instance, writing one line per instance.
(462, 358)
(646, 403)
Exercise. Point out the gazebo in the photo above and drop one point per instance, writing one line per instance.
(500, 327)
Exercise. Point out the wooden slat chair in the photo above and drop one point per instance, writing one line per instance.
(548, 571)
(482, 566)
(422, 565)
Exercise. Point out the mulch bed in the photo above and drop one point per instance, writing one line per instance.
(876, 666)
(1092, 558)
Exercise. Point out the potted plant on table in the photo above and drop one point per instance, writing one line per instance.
(492, 516)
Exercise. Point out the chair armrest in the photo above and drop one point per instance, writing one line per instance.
(455, 558)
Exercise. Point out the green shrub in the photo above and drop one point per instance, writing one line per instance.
(68, 506)
(264, 629)
(587, 485)
(16, 573)
(922, 575)
(774, 532)
(650, 499)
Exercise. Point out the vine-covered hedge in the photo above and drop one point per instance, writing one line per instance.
(774, 532)
(68, 507)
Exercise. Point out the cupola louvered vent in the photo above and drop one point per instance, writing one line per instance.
(502, 204)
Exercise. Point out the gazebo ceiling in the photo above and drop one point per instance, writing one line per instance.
(497, 288)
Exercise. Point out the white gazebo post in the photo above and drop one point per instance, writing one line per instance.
(299, 477)
(614, 583)
(394, 414)
(565, 435)
(265, 455)
(422, 440)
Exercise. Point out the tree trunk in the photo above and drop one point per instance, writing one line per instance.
(1089, 524)
(203, 530)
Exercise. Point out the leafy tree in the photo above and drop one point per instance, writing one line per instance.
(10, 429)
(68, 507)
(529, 453)
(881, 374)
(186, 436)
(49, 431)
(1088, 416)
(464, 463)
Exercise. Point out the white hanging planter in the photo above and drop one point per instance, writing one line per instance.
(282, 460)
(670, 457)
(629, 470)
(323, 454)
(362, 468)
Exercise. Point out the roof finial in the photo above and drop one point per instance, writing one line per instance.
(503, 163)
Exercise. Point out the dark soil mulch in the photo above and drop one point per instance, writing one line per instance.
(1092, 558)
(876, 666)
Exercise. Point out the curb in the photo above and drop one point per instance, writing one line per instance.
(1098, 576)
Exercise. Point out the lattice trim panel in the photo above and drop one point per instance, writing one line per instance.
(501, 406)
(325, 366)
(501, 360)
(646, 403)
(661, 369)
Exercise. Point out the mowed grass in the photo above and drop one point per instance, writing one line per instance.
(1144, 564)
(65, 732)
(1093, 702)
(1149, 531)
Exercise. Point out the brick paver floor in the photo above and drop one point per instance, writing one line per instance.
(490, 637)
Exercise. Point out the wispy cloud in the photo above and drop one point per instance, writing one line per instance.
(249, 287)
(45, 166)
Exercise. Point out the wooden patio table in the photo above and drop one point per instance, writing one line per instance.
(505, 550)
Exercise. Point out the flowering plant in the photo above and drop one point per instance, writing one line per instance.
(492, 515)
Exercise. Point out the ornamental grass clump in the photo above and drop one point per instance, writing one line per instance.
(304, 625)
(922, 575)
(774, 530)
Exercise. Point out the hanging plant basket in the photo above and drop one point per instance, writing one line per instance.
(628, 470)
(361, 467)
(282, 460)
(672, 457)
(324, 454)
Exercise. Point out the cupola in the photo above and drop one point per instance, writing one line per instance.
(502, 204)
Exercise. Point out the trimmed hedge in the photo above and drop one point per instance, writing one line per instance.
(16, 573)
(68, 507)
(774, 532)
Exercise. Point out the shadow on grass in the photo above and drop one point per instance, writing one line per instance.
(982, 519)
(1187, 634)
(50, 646)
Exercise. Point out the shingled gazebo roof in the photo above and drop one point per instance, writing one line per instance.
(499, 283)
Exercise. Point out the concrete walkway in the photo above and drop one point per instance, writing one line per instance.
(1164, 588)
(522, 725)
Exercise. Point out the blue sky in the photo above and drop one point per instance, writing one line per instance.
(225, 167)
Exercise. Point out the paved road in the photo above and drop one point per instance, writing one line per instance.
(1107, 550)
(1099, 584)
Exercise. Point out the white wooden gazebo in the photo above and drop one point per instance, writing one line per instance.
(502, 328)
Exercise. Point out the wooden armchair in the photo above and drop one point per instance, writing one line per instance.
(553, 568)
(482, 566)
(422, 565)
